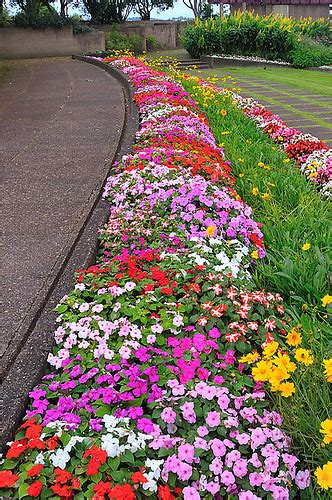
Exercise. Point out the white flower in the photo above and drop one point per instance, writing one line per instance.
(40, 459)
(111, 445)
(60, 458)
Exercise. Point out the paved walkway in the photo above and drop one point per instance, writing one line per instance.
(60, 122)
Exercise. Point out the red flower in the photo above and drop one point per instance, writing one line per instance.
(167, 291)
(138, 477)
(124, 492)
(52, 442)
(35, 488)
(35, 470)
(102, 488)
(36, 443)
(33, 431)
(62, 476)
(62, 491)
(16, 449)
(76, 483)
(7, 479)
(29, 422)
(93, 467)
(164, 493)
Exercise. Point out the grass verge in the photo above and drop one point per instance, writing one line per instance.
(292, 213)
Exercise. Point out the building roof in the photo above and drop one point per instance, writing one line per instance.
(274, 2)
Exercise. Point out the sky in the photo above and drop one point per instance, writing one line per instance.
(179, 10)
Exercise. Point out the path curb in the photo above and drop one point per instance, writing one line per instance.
(29, 364)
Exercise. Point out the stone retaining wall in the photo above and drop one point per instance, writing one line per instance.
(18, 43)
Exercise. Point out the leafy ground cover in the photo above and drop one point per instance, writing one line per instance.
(165, 347)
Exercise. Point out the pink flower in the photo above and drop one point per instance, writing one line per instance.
(302, 479)
(202, 431)
(255, 479)
(247, 495)
(227, 478)
(212, 487)
(190, 493)
(218, 448)
(240, 468)
(184, 471)
(216, 466)
(223, 402)
(232, 457)
(214, 333)
(168, 415)
(186, 452)
(213, 418)
(243, 438)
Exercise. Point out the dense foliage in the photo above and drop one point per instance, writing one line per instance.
(271, 37)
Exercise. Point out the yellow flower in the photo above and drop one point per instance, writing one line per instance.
(328, 369)
(278, 375)
(241, 175)
(223, 112)
(254, 254)
(260, 164)
(294, 338)
(286, 389)
(326, 300)
(240, 160)
(270, 349)
(249, 358)
(326, 429)
(324, 476)
(306, 246)
(265, 196)
(262, 371)
(304, 356)
(286, 160)
(210, 231)
(255, 191)
(283, 361)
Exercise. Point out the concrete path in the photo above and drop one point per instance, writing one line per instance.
(60, 124)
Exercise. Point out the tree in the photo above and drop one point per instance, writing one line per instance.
(144, 7)
(32, 7)
(64, 4)
(196, 6)
(108, 11)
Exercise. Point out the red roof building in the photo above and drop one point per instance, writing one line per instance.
(289, 8)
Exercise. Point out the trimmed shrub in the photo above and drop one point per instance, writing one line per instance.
(310, 53)
(117, 41)
(270, 37)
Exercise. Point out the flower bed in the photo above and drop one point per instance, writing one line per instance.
(312, 156)
(151, 392)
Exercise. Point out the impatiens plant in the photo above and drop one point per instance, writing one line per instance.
(151, 391)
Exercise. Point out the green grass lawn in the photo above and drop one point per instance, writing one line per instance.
(316, 82)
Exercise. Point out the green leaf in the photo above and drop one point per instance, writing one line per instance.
(22, 491)
(114, 463)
